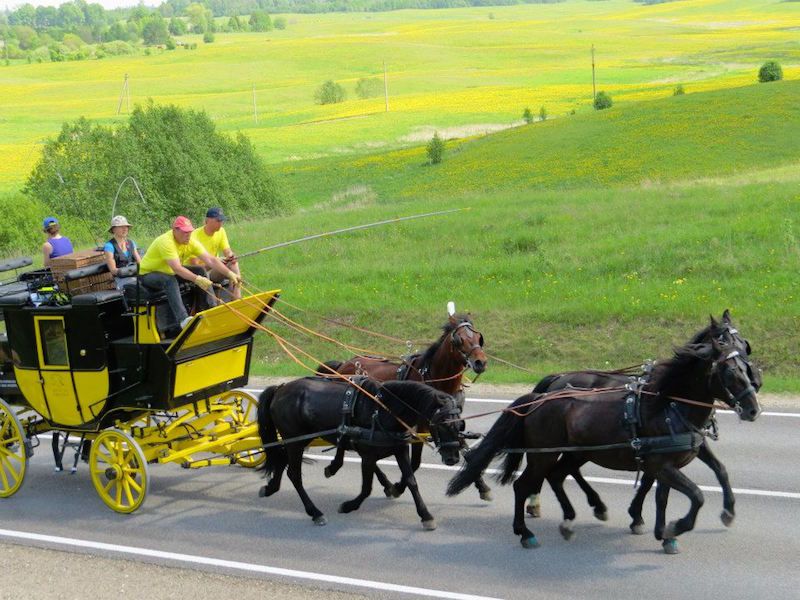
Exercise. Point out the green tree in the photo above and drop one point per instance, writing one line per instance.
(678, 91)
(279, 22)
(543, 114)
(368, 87)
(435, 149)
(234, 24)
(154, 30)
(176, 156)
(770, 71)
(260, 21)
(527, 115)
(602, 101)
(198, 20)
(208, 37)
(177, 26)
(329, 92)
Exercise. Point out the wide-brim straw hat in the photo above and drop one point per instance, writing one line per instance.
(118, 221)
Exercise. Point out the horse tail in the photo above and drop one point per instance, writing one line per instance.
(506, 432)
(544, 385)
(324, 369)
(268, 432)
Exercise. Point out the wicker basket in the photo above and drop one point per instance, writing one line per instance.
(82, 258)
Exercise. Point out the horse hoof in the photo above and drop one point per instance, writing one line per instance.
(534, 510)
(566, 530)
(320, 520)
(328, 472)
(530, 542)
(670, 531)
(670, 546)
(601, 515)
(429, 525)
(637, 528)
(262, 493)
(727, 518)
(346, 507)
(487, 496)
(388, 491)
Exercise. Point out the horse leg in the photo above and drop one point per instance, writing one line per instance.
(368, 460)
(484, 490)
(662, 496)
(295, 474)
(721, 472)
(416, 460)
(526, 484)
(556, 478)
(635, 509)
(406, 468)
(592, 497)
(336, 463)
(673, 477)
(388, 487)
(274, 484)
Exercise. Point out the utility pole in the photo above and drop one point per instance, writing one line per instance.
(594, 88)
(255, 107)
(385, 86)
(124, 94)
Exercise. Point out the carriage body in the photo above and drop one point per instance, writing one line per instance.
(96, 367)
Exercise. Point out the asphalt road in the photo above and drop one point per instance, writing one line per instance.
(203, 531)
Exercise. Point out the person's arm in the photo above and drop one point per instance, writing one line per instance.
(112, 265)
(136, 256)
(212, 262)
(47, 250)
(181, 271)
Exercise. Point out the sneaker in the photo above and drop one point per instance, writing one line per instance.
(185, 322)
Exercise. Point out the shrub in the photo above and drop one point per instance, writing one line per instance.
(678, 91)
(368, 87)
(543, 114)
(770, 71)
(602, 101)
(176, 156)
(208, 37)
(170, 44)
(527, 115)
(435, 149)
(329, 92)
(279, 22)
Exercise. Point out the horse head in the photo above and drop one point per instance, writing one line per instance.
(445, 427)
(734, 339)
(730, 380)
(466, 342)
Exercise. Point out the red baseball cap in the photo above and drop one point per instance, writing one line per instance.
(183, 223)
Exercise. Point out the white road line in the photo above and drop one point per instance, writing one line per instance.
(506, 402)
(239, 566)
(611, 480)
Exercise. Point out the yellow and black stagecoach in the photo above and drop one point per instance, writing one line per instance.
(94, 373)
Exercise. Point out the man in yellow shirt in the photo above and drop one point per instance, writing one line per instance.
(164, 262)
(214, 238)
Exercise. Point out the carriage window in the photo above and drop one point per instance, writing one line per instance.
(53, 340)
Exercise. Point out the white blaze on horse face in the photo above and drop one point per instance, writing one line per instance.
(451, 308)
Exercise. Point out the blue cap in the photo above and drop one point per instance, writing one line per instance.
(215, 213)
(49, 221)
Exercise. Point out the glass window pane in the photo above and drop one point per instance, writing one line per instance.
(54, 343)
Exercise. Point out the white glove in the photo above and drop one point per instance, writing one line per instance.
(203, 282)
(236, 280)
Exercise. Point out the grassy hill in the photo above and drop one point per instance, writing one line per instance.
(562, 272)
(716, 133)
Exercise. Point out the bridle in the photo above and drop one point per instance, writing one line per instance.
(457, 342)
(733, 400)
(446, 415)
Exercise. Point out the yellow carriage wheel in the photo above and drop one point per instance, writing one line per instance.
(245, 413)
(119, 470)
(13, 453)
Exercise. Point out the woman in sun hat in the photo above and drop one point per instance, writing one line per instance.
(56, 244)
(120, 251)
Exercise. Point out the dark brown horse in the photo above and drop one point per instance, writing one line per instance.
(732, 338)
(659, 436)
(441, 366)
(342, 414)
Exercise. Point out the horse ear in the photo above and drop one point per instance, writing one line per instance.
(714, 323)
(726, 317)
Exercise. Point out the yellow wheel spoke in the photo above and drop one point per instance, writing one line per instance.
(107, 486)
(6, 485)
(126, 486)
(118, 496)
(133, 484)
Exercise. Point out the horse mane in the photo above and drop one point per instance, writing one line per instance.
(447, 329)
(684, 357)
(425, 392)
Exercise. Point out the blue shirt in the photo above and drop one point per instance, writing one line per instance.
(128, 254)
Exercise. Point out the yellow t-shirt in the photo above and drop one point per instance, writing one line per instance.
(164, 248)
(215, 243)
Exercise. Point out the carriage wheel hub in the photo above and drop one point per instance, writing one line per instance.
(114, 472)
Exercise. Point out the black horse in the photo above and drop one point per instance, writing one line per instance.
(659, 436)
(605, 379)
(342, 415)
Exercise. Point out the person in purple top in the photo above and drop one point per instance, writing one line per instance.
(56, 244)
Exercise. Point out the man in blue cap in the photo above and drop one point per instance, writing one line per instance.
(214, 239)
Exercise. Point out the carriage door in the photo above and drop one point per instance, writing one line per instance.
(54, 370)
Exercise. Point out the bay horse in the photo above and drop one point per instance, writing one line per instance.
(664, 434)
(583, 380)
(460, 346)
(343, 415)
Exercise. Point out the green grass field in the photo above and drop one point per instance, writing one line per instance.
(593, 240)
